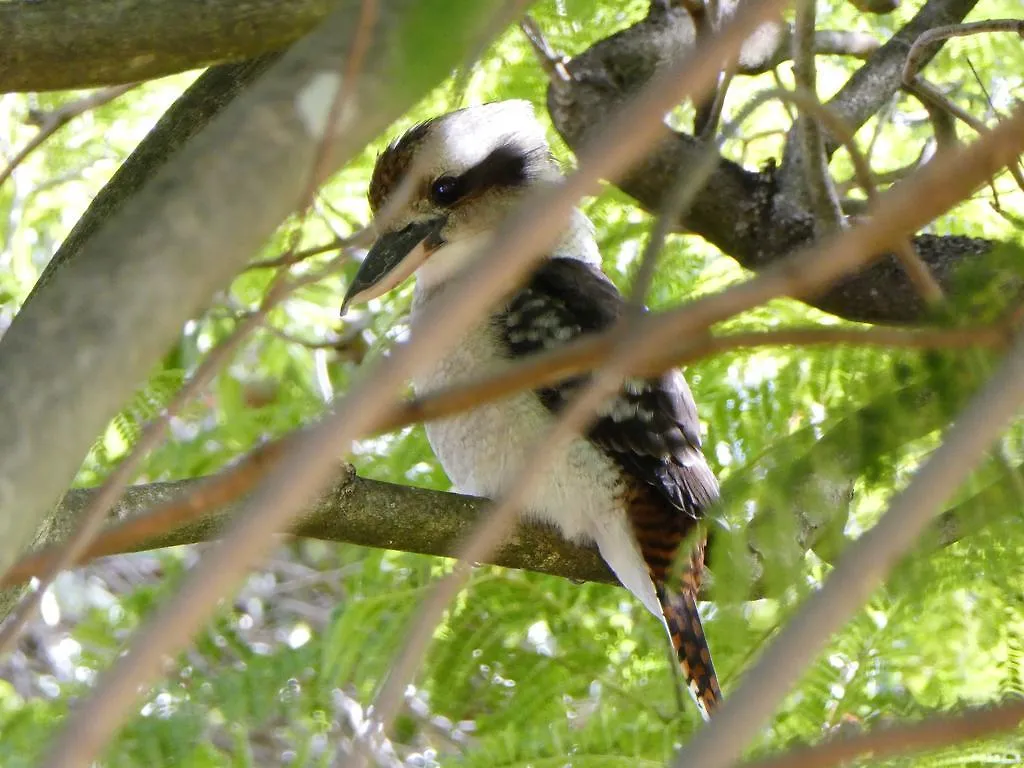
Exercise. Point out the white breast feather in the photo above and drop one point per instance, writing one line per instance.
(482, 451)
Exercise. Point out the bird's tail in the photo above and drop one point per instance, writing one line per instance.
(687, 633)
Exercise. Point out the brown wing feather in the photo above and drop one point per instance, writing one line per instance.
(651, 432)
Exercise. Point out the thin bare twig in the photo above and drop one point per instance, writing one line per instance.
(934, 98)
(931, 95)
(290, 257)
(308, 343)
(862, 568)
(880, 177)
(581, 357)
(891, 740)
(552, 63)
(919, 48)
(51, 122)
(920, 275)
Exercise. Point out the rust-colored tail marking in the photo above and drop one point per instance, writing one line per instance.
(684, 626)
(661, 531)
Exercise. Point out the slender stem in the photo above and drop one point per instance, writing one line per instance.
(933, 733)
(862, 568)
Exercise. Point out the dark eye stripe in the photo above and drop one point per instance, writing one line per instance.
(504, 167)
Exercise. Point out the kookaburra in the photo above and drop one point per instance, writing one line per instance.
(637, 483)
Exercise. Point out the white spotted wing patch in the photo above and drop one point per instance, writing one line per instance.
(650, 428)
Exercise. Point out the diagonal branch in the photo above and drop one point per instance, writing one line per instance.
(863, 568)
(51, 122)
(932, 733)
(871, 86)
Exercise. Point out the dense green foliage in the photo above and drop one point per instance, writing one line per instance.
(528, 670)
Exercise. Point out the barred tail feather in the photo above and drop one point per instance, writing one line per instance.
(687, 633)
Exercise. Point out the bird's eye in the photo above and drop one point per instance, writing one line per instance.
(445, 190)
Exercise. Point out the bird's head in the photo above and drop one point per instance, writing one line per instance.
(443, 187)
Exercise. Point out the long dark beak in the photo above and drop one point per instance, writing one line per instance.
(391, 259)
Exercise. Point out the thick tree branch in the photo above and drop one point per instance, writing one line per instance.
(371, 513)
(860, 45)
(54, 46)
(185, 118)
(740, 211)
(144, 39)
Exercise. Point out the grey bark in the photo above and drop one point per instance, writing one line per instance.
(75, 354)
(87, 43)
(746, 213)
(389, 516)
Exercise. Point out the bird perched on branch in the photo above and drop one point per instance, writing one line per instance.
(637, 483)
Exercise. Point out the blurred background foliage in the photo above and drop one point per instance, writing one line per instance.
(528, 670)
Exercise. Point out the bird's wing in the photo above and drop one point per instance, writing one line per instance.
(651, 431)
(651, 428)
